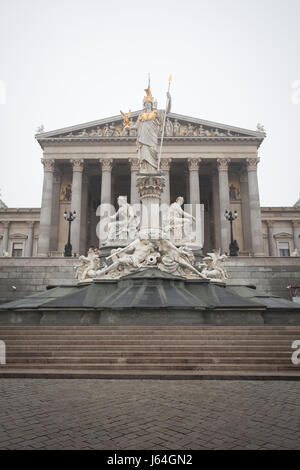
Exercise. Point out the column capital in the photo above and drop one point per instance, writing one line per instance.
(49, 165)
(223, 163)
(106, 164)
(193, 164)
(77, 164)
(165, 164)
(252, 164)
(295, 223)
(5, 223)
(30, 223)
(270, 223)
(134, 164)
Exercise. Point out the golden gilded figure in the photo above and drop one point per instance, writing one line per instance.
(65, 192)
(149, 124)
(126, 117)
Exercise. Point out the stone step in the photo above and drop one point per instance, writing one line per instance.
(146, 327)
(272, 346)
(129, 354)
(290, 374)
(149, 337)
(153, 349)
(156, 367)
(144, 360)
(98, 331)
(147, 343)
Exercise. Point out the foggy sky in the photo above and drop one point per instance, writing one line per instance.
(67, 62)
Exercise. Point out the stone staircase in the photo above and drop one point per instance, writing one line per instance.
(148, 351)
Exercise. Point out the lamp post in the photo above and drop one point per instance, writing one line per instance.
(70, 218)
(233, 246)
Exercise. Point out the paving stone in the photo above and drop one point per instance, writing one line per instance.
(149, 414)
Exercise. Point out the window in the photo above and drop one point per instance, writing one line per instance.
(284, 249)
(17, 249)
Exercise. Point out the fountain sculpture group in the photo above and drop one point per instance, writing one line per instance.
(150, 242)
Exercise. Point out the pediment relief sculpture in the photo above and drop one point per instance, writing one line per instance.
(126, 126)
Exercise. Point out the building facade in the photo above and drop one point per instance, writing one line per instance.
(205, 162)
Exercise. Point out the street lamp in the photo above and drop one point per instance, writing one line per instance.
(233, 246)
(69, 218)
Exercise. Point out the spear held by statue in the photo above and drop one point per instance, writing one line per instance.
(168, 103)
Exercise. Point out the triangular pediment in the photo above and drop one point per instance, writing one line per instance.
(178, 127)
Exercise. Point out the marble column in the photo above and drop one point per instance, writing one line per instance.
(271, 244)
(77, 165)
(223, 164)
(254, 206)
(134, 168)
(193, 164)
(296, 234)
(46, 208)
(55, 210)
(245, 210)
(5, 237)
(29, 244)
(106, 180)
(216, 206)
(84, 212)
(165, 169)
(106, 208)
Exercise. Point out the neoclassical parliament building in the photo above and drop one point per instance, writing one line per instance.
(205, 162)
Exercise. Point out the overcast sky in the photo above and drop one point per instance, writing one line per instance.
(66, 62)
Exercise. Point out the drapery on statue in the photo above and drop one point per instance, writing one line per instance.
(143, 253)
(128, 259)
(123, 224)
(179, 222)
(177, 261)
(148, 126)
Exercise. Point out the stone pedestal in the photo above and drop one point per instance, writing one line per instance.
(150, 187)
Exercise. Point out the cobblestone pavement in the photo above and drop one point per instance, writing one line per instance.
(149, 414)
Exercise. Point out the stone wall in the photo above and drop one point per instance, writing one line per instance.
(32, 275)
(270, 274)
